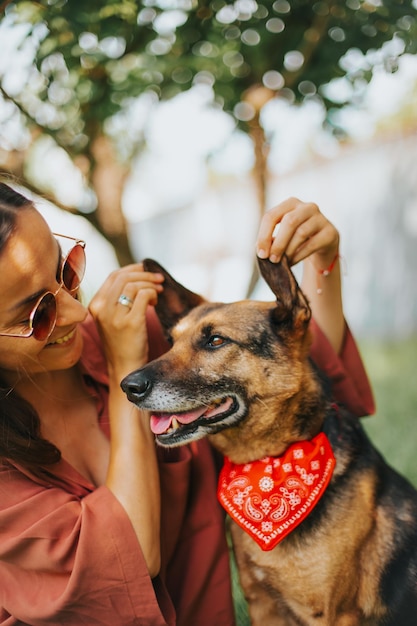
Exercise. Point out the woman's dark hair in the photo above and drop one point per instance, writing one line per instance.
(20, 439)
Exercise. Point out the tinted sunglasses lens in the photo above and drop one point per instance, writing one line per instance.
(74, 268)
(44, 317)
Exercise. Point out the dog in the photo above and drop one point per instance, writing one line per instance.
(334, 543)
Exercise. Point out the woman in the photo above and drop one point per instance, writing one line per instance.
(97, 526)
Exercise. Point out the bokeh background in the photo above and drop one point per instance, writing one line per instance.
(165, 128)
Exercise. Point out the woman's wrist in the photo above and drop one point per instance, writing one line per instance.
(118, 370)
(323, 269)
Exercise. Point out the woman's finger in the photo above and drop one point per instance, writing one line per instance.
(119, 282)
(294, 229)
(325, 242)
(136, 298)
(279, 225)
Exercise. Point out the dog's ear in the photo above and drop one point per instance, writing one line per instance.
(292, 304)
(174, 301)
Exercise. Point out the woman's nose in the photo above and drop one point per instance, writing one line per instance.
(69, 309)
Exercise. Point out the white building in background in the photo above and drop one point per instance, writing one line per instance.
(368, 190)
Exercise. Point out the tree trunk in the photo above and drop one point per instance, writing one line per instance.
(108, 178)
(257, 98)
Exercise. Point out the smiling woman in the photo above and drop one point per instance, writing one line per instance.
(71, 440)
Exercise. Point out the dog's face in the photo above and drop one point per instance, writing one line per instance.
(230, 364)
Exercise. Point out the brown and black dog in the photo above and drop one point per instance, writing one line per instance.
(240, 374)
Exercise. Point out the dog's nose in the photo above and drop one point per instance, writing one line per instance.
(136, 387)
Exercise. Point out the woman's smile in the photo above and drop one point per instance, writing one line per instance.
(66, 339)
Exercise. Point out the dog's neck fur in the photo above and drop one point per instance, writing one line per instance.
(297, 418)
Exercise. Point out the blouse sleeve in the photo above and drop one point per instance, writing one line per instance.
(346, 371)
(70, 559)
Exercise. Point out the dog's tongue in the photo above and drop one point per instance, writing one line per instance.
(162, 421)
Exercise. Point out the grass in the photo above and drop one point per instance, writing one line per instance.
(392, 369)
(241, 609)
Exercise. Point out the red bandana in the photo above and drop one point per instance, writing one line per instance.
(270, 497)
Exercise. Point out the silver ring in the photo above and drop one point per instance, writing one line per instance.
(125, 301)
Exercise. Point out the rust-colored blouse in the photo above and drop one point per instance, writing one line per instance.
(68, 552)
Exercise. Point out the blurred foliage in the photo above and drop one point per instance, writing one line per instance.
(94, 57)
(90, 62)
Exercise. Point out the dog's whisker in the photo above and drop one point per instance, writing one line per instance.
(263, 402)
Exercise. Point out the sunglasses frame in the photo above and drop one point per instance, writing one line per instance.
(31, 330)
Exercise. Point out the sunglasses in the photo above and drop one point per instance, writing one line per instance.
(42, 318)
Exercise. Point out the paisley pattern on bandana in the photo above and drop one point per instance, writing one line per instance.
(270, 497)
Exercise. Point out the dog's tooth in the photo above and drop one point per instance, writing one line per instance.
(174, 423)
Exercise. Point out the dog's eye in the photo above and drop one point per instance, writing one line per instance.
(215, 341)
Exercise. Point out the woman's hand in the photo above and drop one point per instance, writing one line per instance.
(123, 326)
(304, 233)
